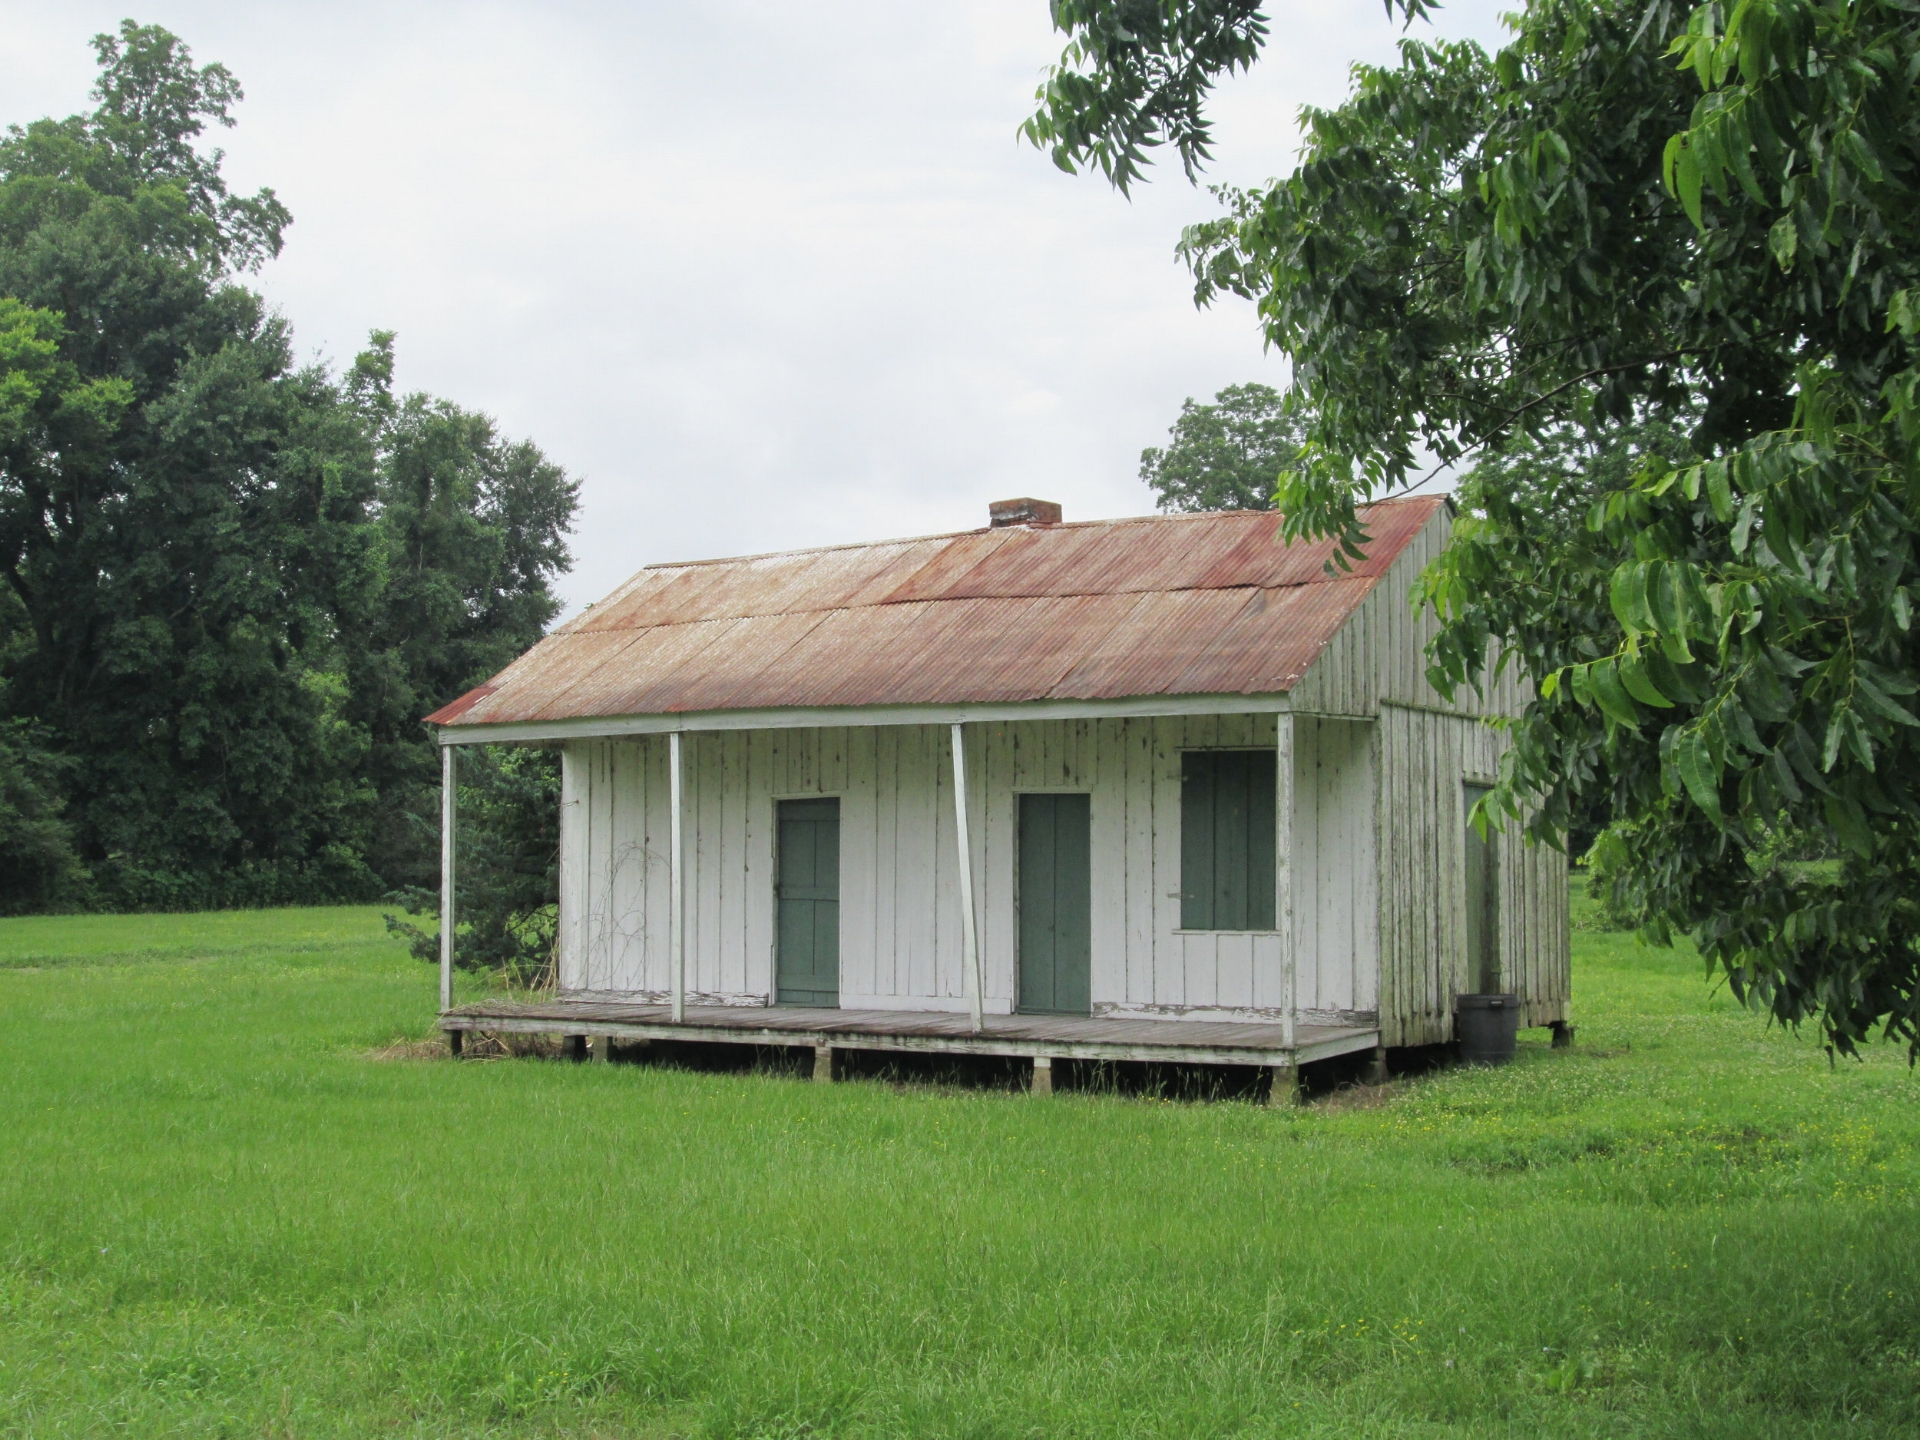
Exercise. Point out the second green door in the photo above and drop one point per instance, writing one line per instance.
(807, 901)
(1056, 905)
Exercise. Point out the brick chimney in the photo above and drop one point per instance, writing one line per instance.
(1022, 512)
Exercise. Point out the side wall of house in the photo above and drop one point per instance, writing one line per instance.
(1380, 654)
(1428, 748)
(1427, 759)
(899, 906)
(1336, 903)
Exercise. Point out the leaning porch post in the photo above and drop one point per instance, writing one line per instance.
(446, 875)
(676, 880)
(969, 940)
(1283, 870)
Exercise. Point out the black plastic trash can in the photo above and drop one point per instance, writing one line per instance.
(1487, 1026)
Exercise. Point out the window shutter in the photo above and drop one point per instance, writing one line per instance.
(1227, 840)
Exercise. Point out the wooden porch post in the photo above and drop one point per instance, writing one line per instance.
(676, 881)
(446, 875)
(969, 941)
(1283, 868)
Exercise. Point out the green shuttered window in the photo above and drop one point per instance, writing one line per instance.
(1226, 840)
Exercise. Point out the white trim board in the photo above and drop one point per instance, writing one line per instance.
(604, 726)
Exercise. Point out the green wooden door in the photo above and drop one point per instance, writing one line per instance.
(807, 891)
(1056, 905)
(1483, 904)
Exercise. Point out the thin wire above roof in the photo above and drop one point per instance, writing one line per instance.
(1103, 609)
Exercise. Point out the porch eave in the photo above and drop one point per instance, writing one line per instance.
(599, 727)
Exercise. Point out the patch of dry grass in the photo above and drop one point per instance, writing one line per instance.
(403, 1049)
(1360, 1097)
(478, 1045)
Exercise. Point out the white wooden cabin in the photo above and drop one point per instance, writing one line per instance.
(1211, 808)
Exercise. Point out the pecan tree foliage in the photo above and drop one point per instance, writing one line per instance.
(1636, 212)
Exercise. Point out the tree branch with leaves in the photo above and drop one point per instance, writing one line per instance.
(1634, 213)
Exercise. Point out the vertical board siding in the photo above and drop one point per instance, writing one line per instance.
(570, 941)
(1380, 653)
(1534, 939)
(1378, 892)
(1103, 756)
(1423, 749)
(1133, 760)
(760, 841)
(628, 857)
(735, 785)
(710, 880)
(605, 916)
(900, 919)
(887, 977)
(941, 880)
(1426, 758)
(919, 823)
(1175, 962)
(1336, 867)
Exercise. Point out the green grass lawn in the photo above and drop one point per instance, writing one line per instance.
(221, 1214)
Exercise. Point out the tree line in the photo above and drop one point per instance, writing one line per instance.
(234, 581)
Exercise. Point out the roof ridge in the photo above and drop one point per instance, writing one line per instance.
(1331, 578)
(987, 529)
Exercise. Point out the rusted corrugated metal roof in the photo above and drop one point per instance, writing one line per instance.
(1104, 609)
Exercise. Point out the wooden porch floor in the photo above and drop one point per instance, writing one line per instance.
(1198, 1042)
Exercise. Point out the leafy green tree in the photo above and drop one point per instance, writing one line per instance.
(473, 534)
(1535, 492)
(1635, 211)
(39, 868)
(176, 543)
(179, 567)
(234, 584)
(1224, 456)
(41, 398)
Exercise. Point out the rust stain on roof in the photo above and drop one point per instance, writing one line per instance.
(1105, 609)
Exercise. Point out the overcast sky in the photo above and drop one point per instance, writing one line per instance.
(761, 275)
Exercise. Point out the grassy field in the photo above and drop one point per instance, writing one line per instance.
(226, 1209)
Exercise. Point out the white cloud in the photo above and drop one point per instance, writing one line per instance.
(763, 274)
